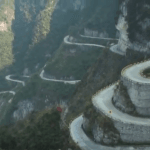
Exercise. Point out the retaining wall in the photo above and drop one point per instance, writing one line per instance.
(129, 132)
(138, 92)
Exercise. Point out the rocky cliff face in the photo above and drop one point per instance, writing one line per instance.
(30, 27)
(41, 25)
(72, 5)
(24, 108)
(134, 25)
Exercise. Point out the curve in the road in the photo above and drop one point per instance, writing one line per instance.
(87, 44)
(8, 78)
(115, 49)
(102, 102)
(133, 72)
(85, 143)
(67, 42)
(69, 82)
(12, 92)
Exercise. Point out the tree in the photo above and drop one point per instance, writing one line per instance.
(73, 31)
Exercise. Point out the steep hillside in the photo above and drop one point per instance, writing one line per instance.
(23, 57)
(6, 34)
(98, 20)
(39, 25)
(63, 64)
(133, 24)
(34, 44)
(105, 71)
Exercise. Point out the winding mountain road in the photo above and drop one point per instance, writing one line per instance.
(67, 42)
(71, 43)
(69, 82)
(85, 143)
(8, 78)
(103, 102)
(12, 92)
(133, 72)
(114, 49)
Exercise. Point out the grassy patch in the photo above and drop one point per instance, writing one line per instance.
(104, 122)
(69, 64)
(104, 72)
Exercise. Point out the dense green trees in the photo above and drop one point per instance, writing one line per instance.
(44, 133)
(43, 22)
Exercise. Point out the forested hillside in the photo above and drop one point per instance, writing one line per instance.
(34, 38)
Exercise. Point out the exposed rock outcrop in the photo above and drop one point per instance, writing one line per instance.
(121, 99)
(97, 132)
(24, 108)
(110, 138)
(134, 26)
(92, 33)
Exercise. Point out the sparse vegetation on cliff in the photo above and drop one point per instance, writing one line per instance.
(146, 72)
(43, 22)
(6, 35)
(76, 63)
(133, 21)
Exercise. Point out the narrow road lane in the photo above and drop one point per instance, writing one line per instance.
(71, 43)
(64, 81)
(98, 37)
(85, 143)
(8, 78)
(103, 102)
(133, 73)
(12, 92)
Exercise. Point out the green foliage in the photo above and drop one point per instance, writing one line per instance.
(43, 22)
(44, 134)
(6, 37)
(98, 19)
(66, 64)
(36, 88)
(36, 84)
(73, 31)
(7, 141)
(92, 114)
